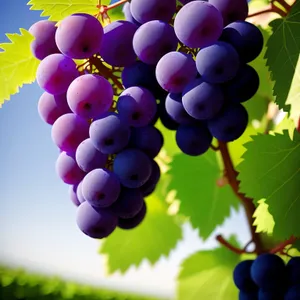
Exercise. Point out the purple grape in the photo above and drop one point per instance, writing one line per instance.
(133, 222)
(69, 131)
(128, 204)
(44, 42)
(165, 118)
(147, 10)
(55, 73)
(175, 70)
(149, 186)
(293, 293)
(95, 223)
(79, 194)
(176, 111)
(230, 123)
(147, 139)
(293, 271)
(245, 37)
(253, 295)
(143, 75)
(242, 276)
(218, 63)
(101, 187)
(193, 140)
(109, 134)
(202, 100)
(133, 167)
(136, 106)
(51, 107)
(198, 24)
(153, 40)
(243, 86)
(90, 95)
(73, 195)
(273, 294)
(128, 15)
(117, 49)
(79, 36)
(231, 10)
(88, 157)
(67, 169)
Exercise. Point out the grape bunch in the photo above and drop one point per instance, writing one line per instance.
(105, 87)
(268, 278)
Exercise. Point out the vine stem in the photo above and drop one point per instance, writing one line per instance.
(225, 243)
(286, 6)
(282, 245)
(104, 8)
(232, 174)
(271, 8)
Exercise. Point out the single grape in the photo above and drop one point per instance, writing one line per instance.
(268, 271)
(79, 36)
(44, 42)
(149, 186)
(73, 194)
(79, 192)
(242, 276)
(136, 106)
(101, 187)
(175, 70)
(88, 157)
(133, 222)
(90, 95)
(95, 223)
(153, 40)
(109, 134)
(164, 116)
(128, 204)
(202, 100)
(143, 75)
(148, 139)
(230, 123)
(176, 111)
(128, 15)
(133, 167)
(67, 169)
(51, 107)
(245, 37)
(273, 294)
(193, 139)
(243, 86)
(231, 10)
(293, 271)
(218, 63)
(55, 73)
(293, 293)
(147, 10)
(248, 295)
(68, 131)
(198, 24)
(117, 49)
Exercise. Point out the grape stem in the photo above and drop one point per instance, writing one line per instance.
(105, 8)
(271, 8)
(281, 246)
(234, 249)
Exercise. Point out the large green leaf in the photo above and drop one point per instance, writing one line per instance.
(201, 198)
(283, 59)
(17, 64)
(271, 170)
(157, 235)
(208, 275)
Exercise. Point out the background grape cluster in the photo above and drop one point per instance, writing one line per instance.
(185, 65)
(268, 278)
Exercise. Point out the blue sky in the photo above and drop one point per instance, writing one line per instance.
(37, 219)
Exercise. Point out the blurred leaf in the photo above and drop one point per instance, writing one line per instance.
(116, 14)
(296, 245)
(264, 221)
(17, 64)
(201, 199)
(271, 170)
(285, 124)
(208, 275)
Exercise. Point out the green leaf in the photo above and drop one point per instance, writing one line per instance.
(264, 221)
(156, 236)
(208, 275)
(17, 64)
(283, 59)
(285, 124)
(201, 199)
(296, 245)
(116, 13)
(271, 170)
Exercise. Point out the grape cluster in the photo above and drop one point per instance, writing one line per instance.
(106, 87)
(268, 278)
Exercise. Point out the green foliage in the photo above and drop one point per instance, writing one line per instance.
(208, 275)
(157, 235)
(201, 199)
(283, 60)
(17, 64)
(271, 170)
(19, 284)
(264, 221)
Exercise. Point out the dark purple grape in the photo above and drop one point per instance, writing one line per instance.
(149, 186)
(293, 271)
(248, 295)
(273, 294)
(165, 118)
(79, 192)
(95, 223)
(128, 15)
(242, 276)
(293, 293)
(73, 194)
